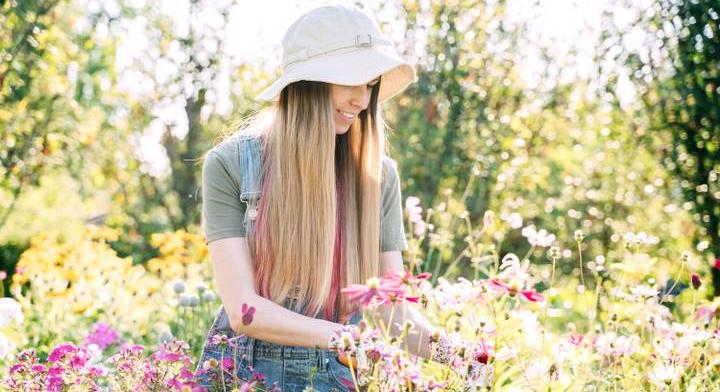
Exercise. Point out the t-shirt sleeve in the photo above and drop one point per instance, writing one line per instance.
(223, 212)
(392, 230)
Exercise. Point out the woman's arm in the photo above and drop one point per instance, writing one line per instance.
(272, 323)
(418, 339)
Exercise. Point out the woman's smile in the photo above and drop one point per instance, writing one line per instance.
(346, 116)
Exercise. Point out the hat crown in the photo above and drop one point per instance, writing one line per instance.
(340, 44)
(326, 28)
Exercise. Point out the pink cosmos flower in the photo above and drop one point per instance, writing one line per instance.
(705, 314)
(513, 289)
(379, 291)
(576, 339)
(407, 278)
(484, 351)
(613, 345)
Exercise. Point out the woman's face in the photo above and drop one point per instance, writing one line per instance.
(348, 102)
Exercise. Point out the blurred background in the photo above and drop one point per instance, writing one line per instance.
(598, 116)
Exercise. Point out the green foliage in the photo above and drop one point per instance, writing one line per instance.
(49, 77)
(680, 96)
(472, 135)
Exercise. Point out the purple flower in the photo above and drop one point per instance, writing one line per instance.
(218, 339)
(80, 358)
(55, 371)
(60, 351)
(102, 335)
(96, 371)
(38, 368)
(164, 355)
(228, 364)
(55, 384)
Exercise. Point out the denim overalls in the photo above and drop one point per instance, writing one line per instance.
(287, 366)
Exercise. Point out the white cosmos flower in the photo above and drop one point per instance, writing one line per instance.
(664, 375)
(644, 291)
(514, 220)
(538, 370)
(4, 346)
(412, 206)
(9, 311)
(538, 238)
(505, 353)
(641, 238)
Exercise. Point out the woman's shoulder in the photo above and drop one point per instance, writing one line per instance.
(389, 165)
(227, 158)
(390, 176)
(228, 149)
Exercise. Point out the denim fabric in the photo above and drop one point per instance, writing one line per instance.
(250, 156)
(288, 367)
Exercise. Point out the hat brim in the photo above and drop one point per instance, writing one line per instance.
(350, 69)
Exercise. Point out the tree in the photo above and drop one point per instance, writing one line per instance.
(678, 79)
(189, 71)
(50, 77)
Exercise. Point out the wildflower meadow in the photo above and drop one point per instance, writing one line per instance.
(559, 169)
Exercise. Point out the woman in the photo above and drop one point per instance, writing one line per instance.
(303, 202)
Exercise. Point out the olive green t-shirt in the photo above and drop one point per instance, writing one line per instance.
(223, 212)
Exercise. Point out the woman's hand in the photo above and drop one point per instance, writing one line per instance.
(344, 341)
(347, 360)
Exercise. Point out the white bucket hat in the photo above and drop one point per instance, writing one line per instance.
(340, 45)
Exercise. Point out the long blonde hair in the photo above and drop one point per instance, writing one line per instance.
(306, 167)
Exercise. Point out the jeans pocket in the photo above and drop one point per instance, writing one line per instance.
(340, 374)
(207, 370)
(269, 370)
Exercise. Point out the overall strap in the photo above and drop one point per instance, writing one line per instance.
(250, 154)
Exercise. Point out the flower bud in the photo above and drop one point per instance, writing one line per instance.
(685, 257)
(166, 336)
(194, 301)
(695, 280)
(185, 299)
(488, 218)
(208, 296)
(374, 355)
(579, 236)
(408, 325)
(179, 287)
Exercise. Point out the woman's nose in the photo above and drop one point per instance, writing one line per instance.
(361, 96)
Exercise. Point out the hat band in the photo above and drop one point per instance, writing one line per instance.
(359, 41)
